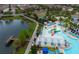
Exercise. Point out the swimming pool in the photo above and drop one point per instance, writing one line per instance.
(74, 45)
(58, 37)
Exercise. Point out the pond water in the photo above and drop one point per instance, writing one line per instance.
(8, 28)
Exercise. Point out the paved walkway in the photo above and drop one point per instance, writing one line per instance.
(33, 36)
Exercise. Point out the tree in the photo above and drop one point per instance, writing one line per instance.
(29, 11)
(53, 18)
(33, 49)
(35, 16)
(60, 19)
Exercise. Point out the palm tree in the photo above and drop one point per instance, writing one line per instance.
(66, 24)
(53, 18)
(60, 19)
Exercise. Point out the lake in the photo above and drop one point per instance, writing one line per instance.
(8, 28)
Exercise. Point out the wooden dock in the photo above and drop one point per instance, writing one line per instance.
(10, 41)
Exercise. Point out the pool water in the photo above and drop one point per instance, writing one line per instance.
(74, 34)
(74, 43)
(61, 37)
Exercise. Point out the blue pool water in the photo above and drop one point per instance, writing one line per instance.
(52, 23)
(50, 52)
(74, 43)
(74, 34)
